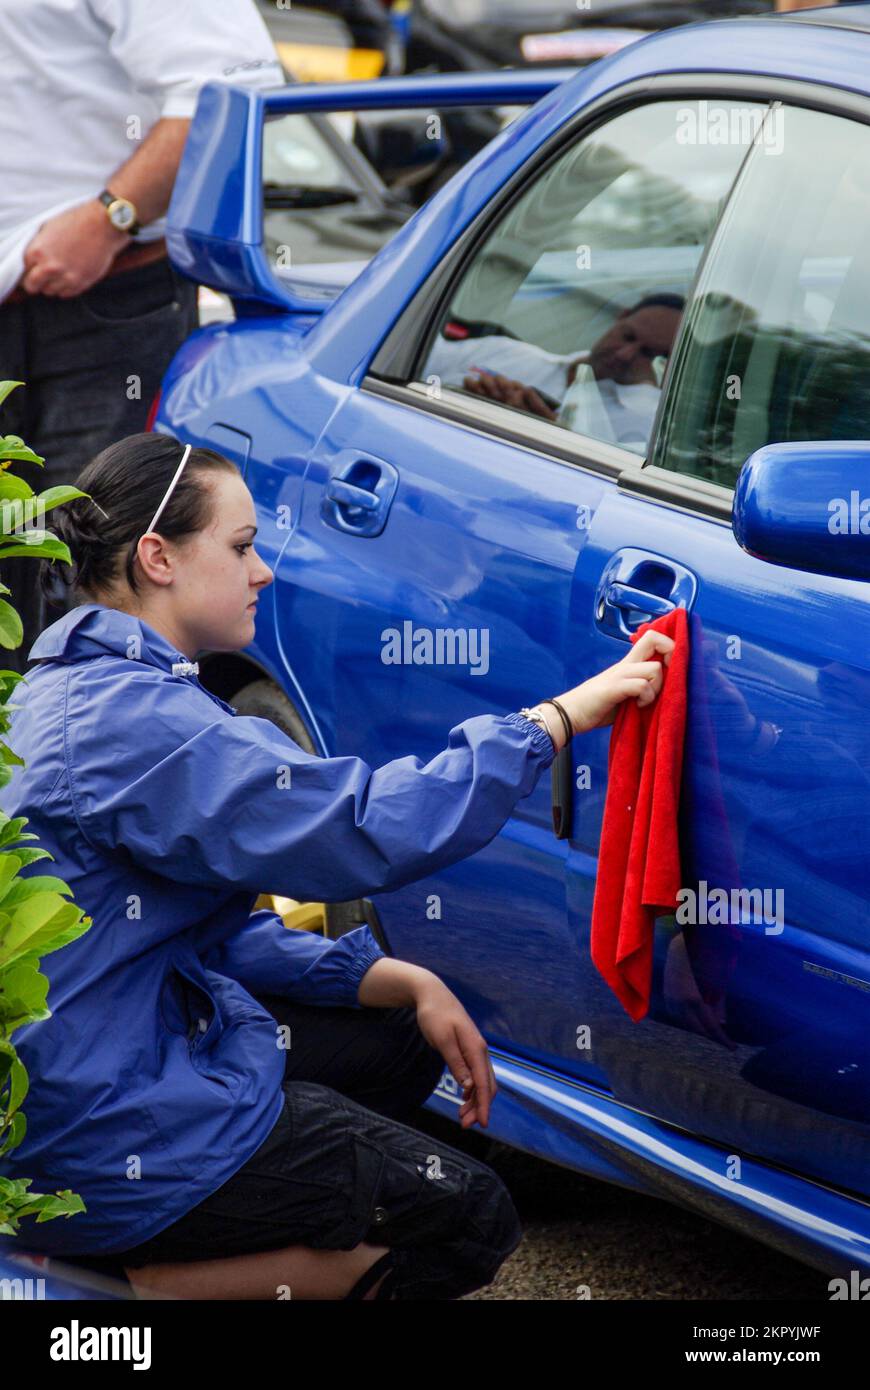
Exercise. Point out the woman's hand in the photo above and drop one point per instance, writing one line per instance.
(594, 703)
(449, 1029)
(390, 983)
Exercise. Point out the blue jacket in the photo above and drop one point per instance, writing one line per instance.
(158, 1074)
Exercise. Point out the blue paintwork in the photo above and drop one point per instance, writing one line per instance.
(807, 504)
(481, 534)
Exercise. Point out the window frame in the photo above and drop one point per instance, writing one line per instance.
(391, 372)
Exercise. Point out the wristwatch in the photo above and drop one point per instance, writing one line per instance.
(120, 212)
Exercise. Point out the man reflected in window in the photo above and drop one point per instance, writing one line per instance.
(609, 391)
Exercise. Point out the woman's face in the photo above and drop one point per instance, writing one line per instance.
(205, 590)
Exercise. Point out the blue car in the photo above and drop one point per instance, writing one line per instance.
(619, 363)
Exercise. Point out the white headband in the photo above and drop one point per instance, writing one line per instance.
(169, 491)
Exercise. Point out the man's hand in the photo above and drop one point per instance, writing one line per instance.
(501, 388)
(71, 251)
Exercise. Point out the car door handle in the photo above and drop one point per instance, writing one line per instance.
(351, 495)
(638, 586)
(358, 493)
(628, 598)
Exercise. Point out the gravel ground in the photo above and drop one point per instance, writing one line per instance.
(622, 1245)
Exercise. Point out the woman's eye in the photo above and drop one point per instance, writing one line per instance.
(242, 548)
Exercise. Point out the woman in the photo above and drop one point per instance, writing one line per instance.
(228, 1096)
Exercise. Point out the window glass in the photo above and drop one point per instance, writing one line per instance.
(295, 154)
(569, 309)
(777, 339)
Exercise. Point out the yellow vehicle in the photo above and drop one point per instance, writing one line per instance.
(338, 41)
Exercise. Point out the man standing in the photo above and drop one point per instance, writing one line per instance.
(99, 95)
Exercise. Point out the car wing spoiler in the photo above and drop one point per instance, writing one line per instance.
(214, 228)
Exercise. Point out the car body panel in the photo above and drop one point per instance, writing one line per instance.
(479, 534)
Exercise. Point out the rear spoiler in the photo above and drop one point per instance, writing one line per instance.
(215, 222)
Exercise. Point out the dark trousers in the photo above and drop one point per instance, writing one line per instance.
(341, 1166)
(91, 366)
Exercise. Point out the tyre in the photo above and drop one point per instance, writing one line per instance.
(264, 700)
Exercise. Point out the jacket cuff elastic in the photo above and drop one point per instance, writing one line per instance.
(368, 952)
(540, 738)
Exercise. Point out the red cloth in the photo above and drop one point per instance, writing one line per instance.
(639, 870)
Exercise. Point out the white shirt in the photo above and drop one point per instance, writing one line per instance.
(605, 409)
(85, 80)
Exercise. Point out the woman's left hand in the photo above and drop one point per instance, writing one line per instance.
(447, 1027)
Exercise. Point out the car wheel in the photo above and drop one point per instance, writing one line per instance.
(264, 700)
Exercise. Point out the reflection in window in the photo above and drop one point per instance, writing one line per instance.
(571, 307)
(777, 341)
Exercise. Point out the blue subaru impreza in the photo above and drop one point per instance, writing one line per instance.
(619, 363)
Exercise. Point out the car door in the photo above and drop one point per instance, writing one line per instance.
(757, 1034)
(444, 517)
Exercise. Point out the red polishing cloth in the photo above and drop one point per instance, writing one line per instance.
(639, 871)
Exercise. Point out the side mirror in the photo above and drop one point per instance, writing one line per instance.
(807, 506)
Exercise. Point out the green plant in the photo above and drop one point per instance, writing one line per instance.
(35, 916)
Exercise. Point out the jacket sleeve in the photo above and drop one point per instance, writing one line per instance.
(235, 803)
(268, 958)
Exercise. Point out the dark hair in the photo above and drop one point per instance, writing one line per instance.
(664, 299)
(127, 482)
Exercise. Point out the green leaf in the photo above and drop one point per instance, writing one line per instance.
(56, 496)
(8, 1056)
(14, 1133)
(11, 487)
(42, 923)
(19, 453)
(22, 888)
(6, 387)
(48, 549)
(8, 756)
(23, 992)
(30, 856)
(10, 827)
(9, 866)
(11, 629)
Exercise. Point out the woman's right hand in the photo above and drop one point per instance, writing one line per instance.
(593, 704)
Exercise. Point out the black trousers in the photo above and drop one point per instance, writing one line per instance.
(91, 366)
(341, 1166)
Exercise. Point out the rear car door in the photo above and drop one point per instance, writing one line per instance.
(444, 516)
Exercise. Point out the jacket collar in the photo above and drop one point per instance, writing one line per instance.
(92, 630)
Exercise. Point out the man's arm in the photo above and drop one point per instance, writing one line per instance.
(73, 250)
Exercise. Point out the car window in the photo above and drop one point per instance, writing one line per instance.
(777, 338)
(569, 309)
(295, 154)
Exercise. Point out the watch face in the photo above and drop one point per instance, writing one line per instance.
(122, 215)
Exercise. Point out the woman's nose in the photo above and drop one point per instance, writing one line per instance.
(264, 575)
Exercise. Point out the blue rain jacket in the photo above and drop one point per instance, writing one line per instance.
(158, 1074)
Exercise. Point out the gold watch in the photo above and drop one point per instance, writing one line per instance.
(120, 212)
